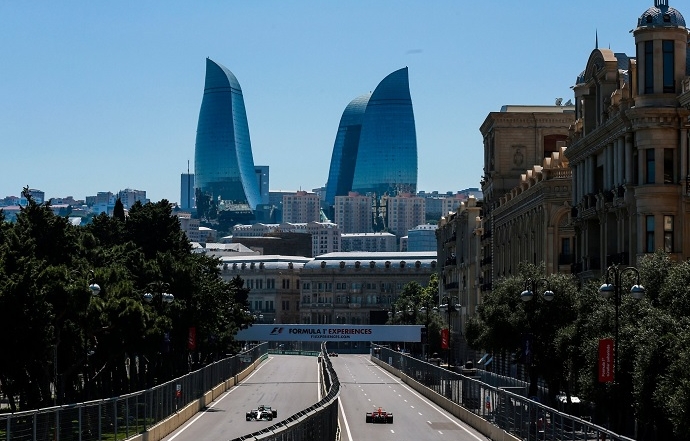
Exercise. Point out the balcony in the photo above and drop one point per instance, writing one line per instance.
(451, 286)
(565, 259)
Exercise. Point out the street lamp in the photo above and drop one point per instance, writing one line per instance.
(450, 305)
(531, 285)
(158, 288)
(425, 310)
(608, 290)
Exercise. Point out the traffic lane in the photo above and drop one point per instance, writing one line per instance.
(364, 387)
(287, 383)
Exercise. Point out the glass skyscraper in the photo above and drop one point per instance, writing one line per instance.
(375, 150)
(223, 161)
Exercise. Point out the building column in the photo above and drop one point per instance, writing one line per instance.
(683, 157)
(629, 160)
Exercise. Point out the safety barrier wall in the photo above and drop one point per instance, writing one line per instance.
(494, 411)
(316, 423)
(150, 414)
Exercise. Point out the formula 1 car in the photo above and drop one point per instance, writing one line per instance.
(380, 416)
(262, 413)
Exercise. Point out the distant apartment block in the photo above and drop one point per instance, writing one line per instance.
(353, 213)
(302, 207)
(103, 202)
(187, 201)
(372, 242)
(129, 197)
(421, 238)
(190, 227)
(262, 175)
(325, 235)
(405, 212)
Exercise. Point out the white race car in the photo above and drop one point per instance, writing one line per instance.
(262, 412)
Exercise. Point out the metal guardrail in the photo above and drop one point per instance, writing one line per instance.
(516, 414)
(316, 423)
(122, 417)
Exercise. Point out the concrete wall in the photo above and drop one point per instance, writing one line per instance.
(167, 426)
(478, 423)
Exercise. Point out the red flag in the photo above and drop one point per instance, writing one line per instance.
(444, 338)
(606, 363)
(191, 339)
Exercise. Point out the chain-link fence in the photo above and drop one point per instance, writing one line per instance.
(503, 404)
(125, 416)
(316, 423)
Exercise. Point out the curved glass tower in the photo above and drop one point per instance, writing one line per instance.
(345, 149)
(375, 150)
(223, 161)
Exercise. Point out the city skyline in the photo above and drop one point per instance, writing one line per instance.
(96, 98)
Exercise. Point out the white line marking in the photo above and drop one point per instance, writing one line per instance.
(342, 414)
(436, 408)
(213, 404)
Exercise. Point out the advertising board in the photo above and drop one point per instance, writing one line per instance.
(331, 332)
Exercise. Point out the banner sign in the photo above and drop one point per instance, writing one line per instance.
(331, 332)
(606, 360)
(191, 339)
(445, 337)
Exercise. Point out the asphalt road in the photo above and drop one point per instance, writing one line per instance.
(365, 387)
(284, 382)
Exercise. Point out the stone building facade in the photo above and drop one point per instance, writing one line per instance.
(532, 224)
(628, 148)
(459, 250)
(515, 139)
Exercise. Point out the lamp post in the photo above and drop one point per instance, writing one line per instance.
(95, 290)
(426, 309)
(614, 273)
(158, 291)
(531, 285)
(450, 305)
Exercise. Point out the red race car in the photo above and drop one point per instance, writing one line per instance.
(380, 416)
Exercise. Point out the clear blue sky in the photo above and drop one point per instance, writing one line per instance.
(102, 96)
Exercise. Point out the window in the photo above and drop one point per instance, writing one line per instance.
(668, 234)
(650, 172)
(648, 67)
(649, 238)
(668, 166)
(286, 305)
(669, 66)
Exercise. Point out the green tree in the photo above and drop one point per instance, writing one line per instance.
(530, 332)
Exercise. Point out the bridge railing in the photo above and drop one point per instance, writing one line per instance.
(125, 416)
(316, 423)
(487, 407)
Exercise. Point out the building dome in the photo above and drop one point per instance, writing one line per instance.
(661, 15)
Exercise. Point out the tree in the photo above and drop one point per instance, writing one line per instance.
(94, 343)
(527, 331)
(119, 210)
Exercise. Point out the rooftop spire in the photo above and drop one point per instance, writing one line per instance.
(658, 3)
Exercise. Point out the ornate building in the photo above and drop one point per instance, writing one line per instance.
(628, 148)
(515, 139)
(531, 223)
(359, 288)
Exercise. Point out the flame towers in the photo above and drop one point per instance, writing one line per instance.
(223, 161)
(375, 150)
